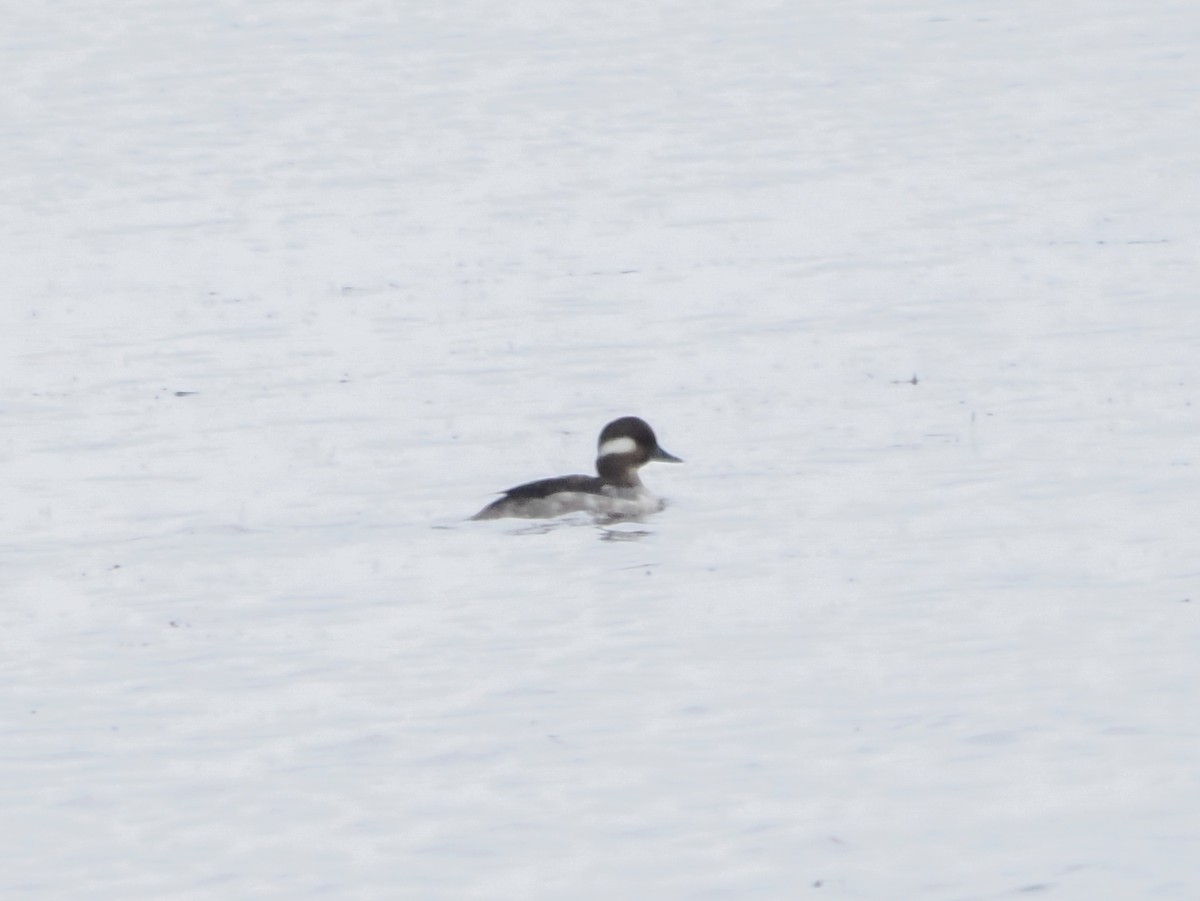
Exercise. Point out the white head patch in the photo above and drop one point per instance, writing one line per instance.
(624, 445)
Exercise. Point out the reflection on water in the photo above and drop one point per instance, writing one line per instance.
(608, 529)
(610, 534)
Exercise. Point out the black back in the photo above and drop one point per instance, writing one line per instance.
(547, 487)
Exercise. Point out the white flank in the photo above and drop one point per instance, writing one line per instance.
(617, 446)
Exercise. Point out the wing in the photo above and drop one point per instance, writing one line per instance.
(547, 487)
(523, 499)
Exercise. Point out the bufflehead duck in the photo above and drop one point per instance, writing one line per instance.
(625, 445)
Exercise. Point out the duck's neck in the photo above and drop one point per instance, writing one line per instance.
(618, 469)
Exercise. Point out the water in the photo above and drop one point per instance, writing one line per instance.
(293, 288)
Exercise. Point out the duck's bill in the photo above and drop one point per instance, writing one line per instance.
(663, 456)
